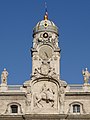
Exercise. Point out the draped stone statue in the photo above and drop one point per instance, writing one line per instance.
(86, 75)
(4, 76)
(61, 99)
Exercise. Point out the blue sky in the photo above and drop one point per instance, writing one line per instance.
(17, 19)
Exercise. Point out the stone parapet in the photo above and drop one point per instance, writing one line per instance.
(45, 117)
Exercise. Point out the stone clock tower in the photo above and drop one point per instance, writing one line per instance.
(45, 51)
(46, 89)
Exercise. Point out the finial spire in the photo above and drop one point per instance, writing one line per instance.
(46, 13)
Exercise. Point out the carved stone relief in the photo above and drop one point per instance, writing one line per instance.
(45, 95)
(51, 38)
(45, 70)
(28, 99)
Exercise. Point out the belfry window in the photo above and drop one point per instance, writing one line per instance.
(14, 109)
(76, 108)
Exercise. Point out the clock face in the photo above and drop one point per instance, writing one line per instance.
(45, 52)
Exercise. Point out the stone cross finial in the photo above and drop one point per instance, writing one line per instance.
(4, 76)
(86, 75)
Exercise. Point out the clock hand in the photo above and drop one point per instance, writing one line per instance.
(46, 54)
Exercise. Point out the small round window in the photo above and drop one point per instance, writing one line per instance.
(45, 25)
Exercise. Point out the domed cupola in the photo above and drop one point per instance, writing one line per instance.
(45, 25)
